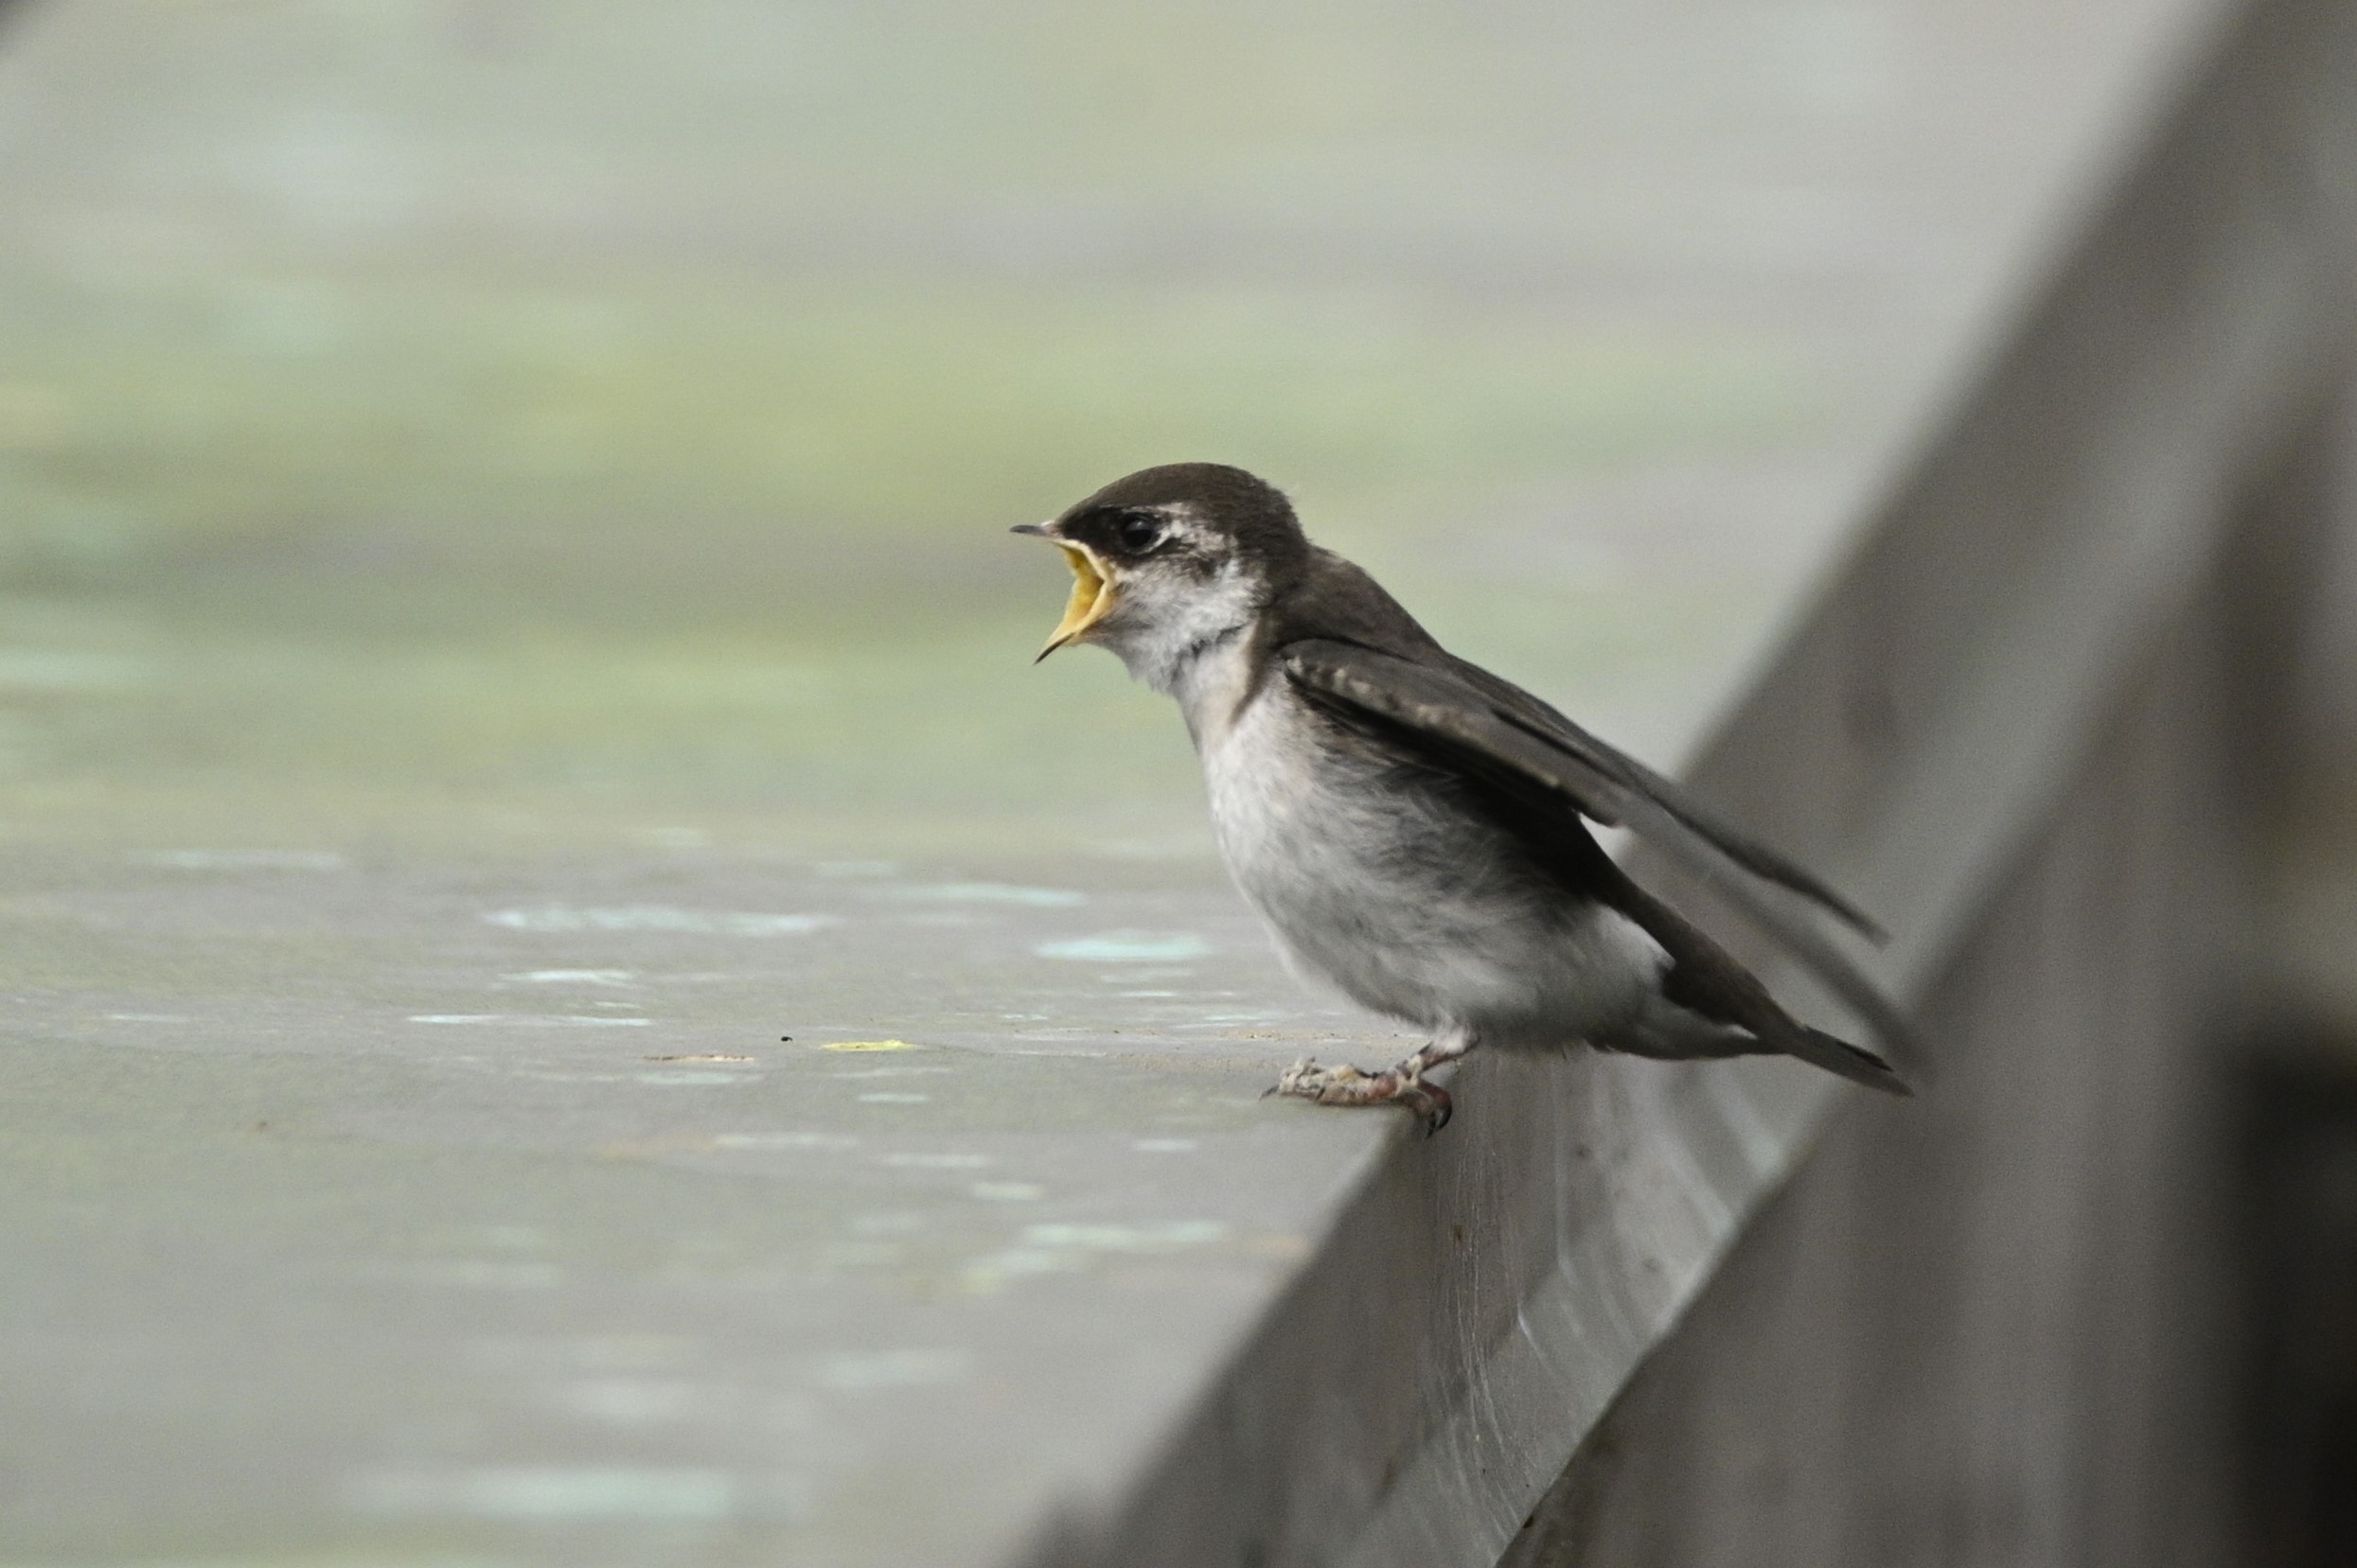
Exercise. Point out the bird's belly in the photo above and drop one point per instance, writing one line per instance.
(1378, 883)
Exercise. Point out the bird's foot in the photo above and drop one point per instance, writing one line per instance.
(1403, 1085)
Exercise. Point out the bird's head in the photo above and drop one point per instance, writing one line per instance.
(1171, 560)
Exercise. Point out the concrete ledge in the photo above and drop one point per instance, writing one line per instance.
(401, 1153)
(1483, 1299)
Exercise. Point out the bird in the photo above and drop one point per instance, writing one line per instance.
(1415, 831)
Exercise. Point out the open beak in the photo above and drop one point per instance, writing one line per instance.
(1092, 592)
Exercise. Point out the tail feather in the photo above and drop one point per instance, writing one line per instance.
(1739, 1017)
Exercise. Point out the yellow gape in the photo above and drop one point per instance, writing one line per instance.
(1091, 601)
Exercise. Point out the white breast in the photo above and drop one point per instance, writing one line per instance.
(1375, 882)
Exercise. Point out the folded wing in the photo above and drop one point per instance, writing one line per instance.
(1460, 717)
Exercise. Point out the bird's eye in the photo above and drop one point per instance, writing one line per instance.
(1138, 531)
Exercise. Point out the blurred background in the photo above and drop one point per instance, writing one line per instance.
(530, 423)
(405, 403)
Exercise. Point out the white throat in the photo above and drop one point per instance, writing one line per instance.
(1194, 650)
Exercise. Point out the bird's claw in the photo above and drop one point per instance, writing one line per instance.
(1347, 1085)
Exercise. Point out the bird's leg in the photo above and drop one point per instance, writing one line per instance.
(1402, 1085)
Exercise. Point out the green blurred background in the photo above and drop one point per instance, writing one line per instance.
(456, 417)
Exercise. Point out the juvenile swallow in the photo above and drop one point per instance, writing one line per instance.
(1413, 829)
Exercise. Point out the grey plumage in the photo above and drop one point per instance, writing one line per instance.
(1413, 828)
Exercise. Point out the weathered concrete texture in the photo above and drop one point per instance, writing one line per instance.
(2050, 563)
(413, 863)
(1986, 1329)
(479, 1208)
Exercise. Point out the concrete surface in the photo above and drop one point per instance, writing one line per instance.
(431, 801)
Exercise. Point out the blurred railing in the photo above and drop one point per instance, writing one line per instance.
(1698, 1317)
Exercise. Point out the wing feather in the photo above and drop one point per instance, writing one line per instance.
(1470, 722)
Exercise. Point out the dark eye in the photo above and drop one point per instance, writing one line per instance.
(1138, 531)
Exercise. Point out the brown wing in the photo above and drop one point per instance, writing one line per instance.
(1462, 719)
